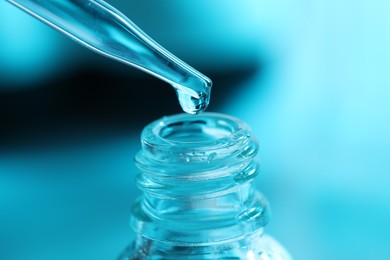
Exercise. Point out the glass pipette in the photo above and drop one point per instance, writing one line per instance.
(102, 28)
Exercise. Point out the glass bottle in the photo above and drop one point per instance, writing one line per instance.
(199, 200)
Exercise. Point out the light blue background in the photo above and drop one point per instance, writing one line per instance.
(320, 108)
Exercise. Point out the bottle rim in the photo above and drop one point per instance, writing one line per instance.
(201, 138)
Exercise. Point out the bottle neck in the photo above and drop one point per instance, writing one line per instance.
(197, 177)
(252, 245)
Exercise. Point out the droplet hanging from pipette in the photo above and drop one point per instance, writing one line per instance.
(193, 102)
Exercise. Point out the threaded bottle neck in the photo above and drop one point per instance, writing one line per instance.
(196, 175)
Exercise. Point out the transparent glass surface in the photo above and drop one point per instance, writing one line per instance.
(102, 28)
(199, 200)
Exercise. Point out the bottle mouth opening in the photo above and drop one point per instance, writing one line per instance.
(195, 130)
(199, 138)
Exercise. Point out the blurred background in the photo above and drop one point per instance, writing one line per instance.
(311, 78)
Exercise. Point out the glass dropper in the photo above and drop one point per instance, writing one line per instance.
(102, 28)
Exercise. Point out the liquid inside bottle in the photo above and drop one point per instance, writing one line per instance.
(199, 200)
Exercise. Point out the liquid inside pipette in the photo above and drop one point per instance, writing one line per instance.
(104, 29)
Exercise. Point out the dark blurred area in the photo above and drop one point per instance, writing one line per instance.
(94, 99)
